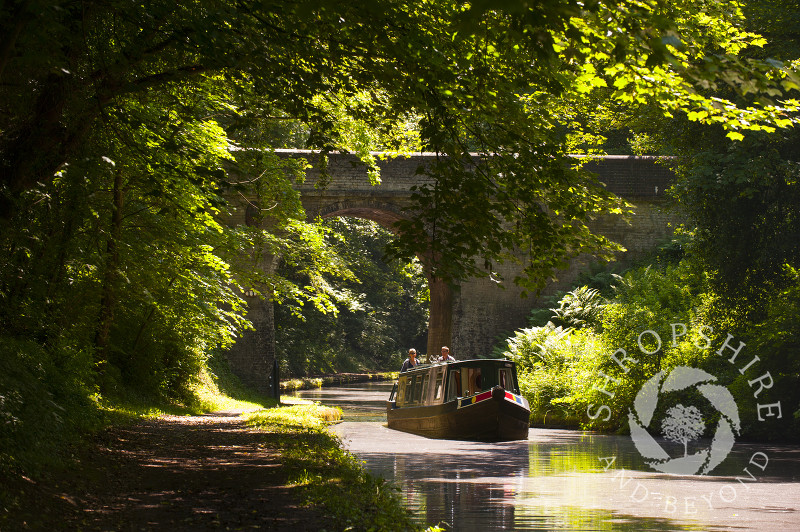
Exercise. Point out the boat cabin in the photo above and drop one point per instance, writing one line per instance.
(431, 384)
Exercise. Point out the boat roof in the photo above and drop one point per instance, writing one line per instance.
(458, 363)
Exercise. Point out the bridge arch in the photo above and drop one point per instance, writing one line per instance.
(382, 213)
(441, 294)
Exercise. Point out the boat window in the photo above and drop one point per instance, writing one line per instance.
(473, 381)
(454, 385)
(437, 389)
(409, 388)
(419, 386)
(506, 379)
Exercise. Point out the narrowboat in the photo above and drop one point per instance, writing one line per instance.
(464, 400)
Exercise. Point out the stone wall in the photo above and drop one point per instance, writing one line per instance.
(484, 309)
(252, 356)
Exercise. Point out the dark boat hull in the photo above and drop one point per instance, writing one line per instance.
(498, 417)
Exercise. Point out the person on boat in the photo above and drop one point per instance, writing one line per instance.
(411, 361)
(446, 355)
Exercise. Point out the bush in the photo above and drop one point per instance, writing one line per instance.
(44, 405)
(776, 341)
(554, 367)
(579, 308)
(570, 376)
(570, 373)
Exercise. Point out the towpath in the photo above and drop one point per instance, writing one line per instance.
(208, 472)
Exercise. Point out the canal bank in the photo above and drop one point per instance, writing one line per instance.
(338, 379)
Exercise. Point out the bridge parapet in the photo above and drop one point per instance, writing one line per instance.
(627, 176)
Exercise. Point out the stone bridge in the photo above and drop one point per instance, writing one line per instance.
(480, 310)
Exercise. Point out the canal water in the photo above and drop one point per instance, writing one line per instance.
(563, 479)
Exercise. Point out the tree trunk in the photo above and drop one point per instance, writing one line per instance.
(111, 274)
(440, 322)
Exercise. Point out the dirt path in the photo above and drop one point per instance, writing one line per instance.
(175, 473)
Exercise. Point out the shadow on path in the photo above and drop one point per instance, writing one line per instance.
(208, 472)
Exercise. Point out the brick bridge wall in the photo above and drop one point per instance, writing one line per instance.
(481, 309)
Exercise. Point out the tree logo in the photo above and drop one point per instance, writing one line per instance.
(683, 424)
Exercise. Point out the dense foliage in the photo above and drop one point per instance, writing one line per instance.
(589, 375)
(739, 199)
(501, 81)
(380, 313)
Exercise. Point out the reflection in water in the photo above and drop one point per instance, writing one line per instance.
(561, 479)
(359, 402)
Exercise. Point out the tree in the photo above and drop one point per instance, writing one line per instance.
(740, 195)
(742, 200)
(683, 424)
(126, 128)
(510, 102)
(481, 79)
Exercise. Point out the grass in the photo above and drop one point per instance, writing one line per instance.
(329, 476)
(216, 390)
